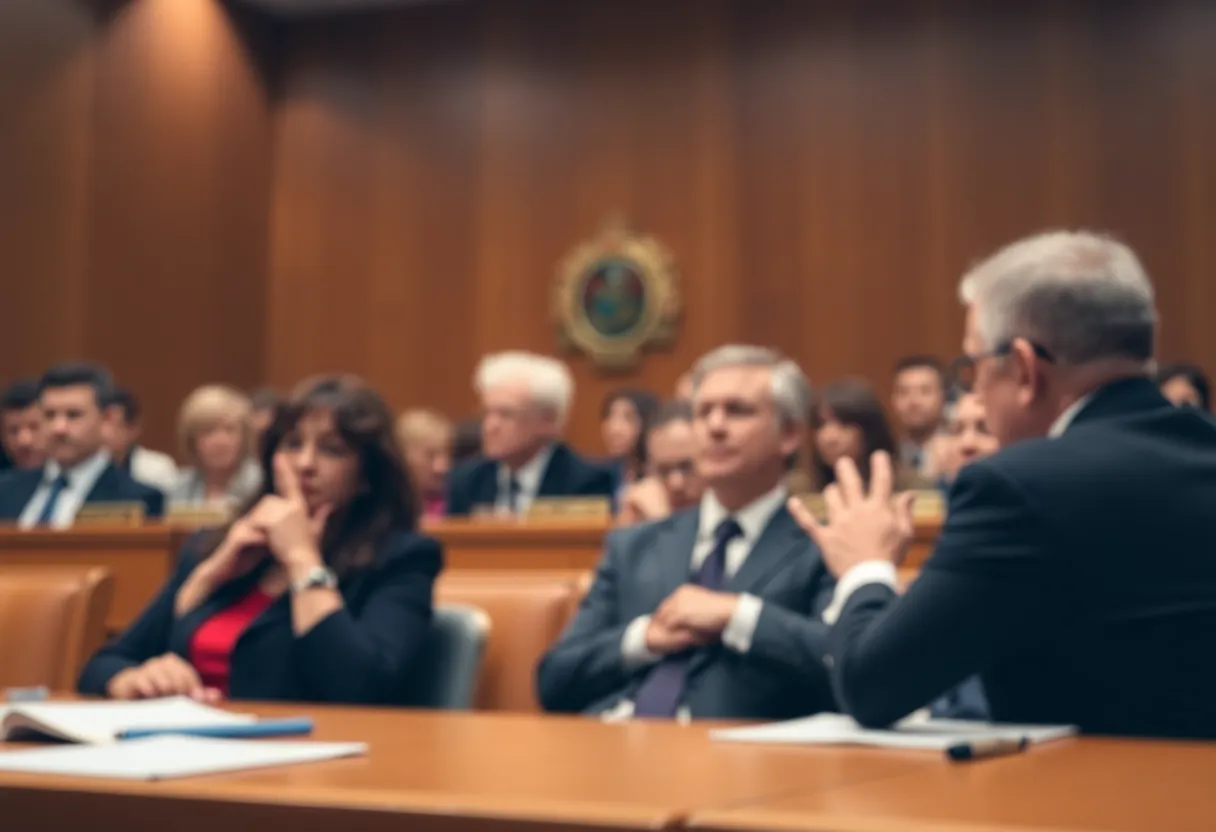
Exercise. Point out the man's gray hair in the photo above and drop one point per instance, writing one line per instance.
(1080, 295)
(548, 379)
(791, 390)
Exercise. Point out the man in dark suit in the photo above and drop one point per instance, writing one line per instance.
(1075, 572)
(78, 470)
(525, 398)
(22, 432)
(712, 612)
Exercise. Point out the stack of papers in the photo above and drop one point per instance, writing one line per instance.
(166, 757)
(915, 733)
(103, 722)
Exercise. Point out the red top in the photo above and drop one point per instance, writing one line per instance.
(212, 643)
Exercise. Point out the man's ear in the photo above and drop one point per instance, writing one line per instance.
(792, 437)
(1026, 371)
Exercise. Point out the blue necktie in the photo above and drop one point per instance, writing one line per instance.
(52, 499)
(661, 691)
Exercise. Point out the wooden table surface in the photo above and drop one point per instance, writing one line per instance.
(1075, 784)
(451, 771)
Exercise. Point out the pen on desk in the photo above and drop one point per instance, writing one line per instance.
(982, 749)
(245, 730)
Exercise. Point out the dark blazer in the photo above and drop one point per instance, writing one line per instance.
(113, 486)
(781, 676)
(1077, 575)
(361, 654)
(475, 483)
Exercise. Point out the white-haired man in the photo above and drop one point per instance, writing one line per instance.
(525, 399)
(713, 611)
(1075, 570)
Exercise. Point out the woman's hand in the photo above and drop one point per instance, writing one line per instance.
(242, 549)
(294, 535)
(167, 675)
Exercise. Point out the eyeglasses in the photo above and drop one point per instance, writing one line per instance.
(962, 370)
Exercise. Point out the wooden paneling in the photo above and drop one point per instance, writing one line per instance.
(135, 143)
(823, 172)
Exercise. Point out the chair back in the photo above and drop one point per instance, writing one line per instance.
(447, 671)
(52, 620)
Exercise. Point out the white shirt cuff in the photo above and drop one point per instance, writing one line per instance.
(633, 644)
(864, 573)
(742, 625)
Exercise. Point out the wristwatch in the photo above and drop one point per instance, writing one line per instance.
(318, 576)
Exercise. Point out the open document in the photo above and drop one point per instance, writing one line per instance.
(103, 722)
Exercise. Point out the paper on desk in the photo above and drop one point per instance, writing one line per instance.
(916, 733)
(101, 722)
(166, 757)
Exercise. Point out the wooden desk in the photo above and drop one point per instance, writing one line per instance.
(1078, 784)
(140, 559)
(505, 544)
(448, 771)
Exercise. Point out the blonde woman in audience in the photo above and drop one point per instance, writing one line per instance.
(216, 434)
(426, 440)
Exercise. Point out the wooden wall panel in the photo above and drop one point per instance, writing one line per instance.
(180, 203)
(135, 142)
(46, 85)
(823, 172)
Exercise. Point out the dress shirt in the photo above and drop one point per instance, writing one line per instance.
(81, 480)
(883, 571)
(737, 636)
(529, 476)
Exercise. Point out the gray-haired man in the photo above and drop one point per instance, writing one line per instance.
(712, 612)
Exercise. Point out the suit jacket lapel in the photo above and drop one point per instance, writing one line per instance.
(553, 481)
(780, 537)
(674, 554)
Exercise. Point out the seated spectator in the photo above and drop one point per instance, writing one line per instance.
(264, 403)
(1185, 384)
(672, 482)
(22, 427)
(215, 429)
(625, 417)
(969, 436)
(526, 399)
(78, 470)
(848, 421)
(426, 441)
(713, 612)
(918, 399)
(322, 589)
(123, 428)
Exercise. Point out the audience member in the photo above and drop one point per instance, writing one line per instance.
(321, 590)
(625, 417)
(1185, 384)
(672, 482)
(683, 389)
(123, 428)
(526, 399)
(1074, 570)
(426, 440)
(918, 399)
(216, 433)
(22, 426)
(264, 403)
(848, 421)
(78, 470)
(969, 436)
(712, 612)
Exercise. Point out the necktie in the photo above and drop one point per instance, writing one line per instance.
(52, 499)
(513, 490)
(661, 691)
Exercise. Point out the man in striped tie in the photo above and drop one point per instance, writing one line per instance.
(712, 612)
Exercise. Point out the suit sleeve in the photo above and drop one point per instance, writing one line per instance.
(366, 657)
(987, 587)
(587, 663)
(144, 639)
(794, 644)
